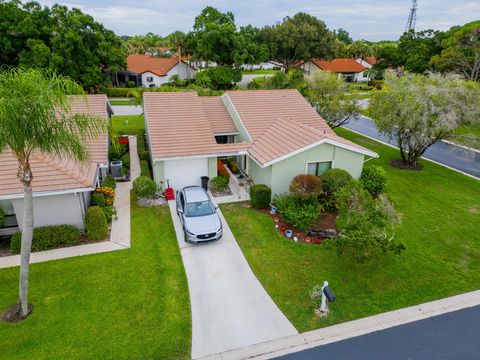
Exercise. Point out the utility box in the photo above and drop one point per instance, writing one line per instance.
(116, 168)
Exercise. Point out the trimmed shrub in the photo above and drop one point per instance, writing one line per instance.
(334, 179)
(144, 155)
(373, 179)
(96, 225)
(306, 185)
(232, 164)
(260, 196)
(110, 182)
(109, 212)
(144, 186)
(97, 199)
(145, 168)
(125, 161)
(300, 212)
(219, 183)
(222, 170)
(47, 237)
(2, 218)
(108, 192)
(377, 84)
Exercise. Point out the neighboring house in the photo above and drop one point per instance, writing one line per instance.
(368, 61)
(61, 187)
(274, 135)
(349, 68)
(150, 71)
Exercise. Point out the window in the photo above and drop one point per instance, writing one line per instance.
(221, 139)
(149, 78)
(200, 208)
(318, 168)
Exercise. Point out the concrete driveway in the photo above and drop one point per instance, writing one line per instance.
(230, 308)
(122, 110)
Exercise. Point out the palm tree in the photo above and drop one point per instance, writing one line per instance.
(35, 119)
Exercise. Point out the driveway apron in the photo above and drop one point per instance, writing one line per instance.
(230, 308)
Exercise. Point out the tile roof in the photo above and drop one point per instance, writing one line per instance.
(139, 63)
(177, 124)
(51, 173)
(372, 60)
(258, 109)
(280, 122)
(340, 65)
(217, 114)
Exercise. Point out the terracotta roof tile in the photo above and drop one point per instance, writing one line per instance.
(52, 173)
(139, 64)
(340, 65)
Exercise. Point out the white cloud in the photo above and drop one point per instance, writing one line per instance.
(369, 19)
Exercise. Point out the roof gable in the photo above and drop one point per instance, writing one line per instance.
(340, 65)
(139, 63)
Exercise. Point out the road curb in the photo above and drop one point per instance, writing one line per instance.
(343, 331)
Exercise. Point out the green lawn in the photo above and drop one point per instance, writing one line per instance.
(128, 125)
(128, 304)
(121, 102)
(259, 72)
(466, 130)
(440, 212)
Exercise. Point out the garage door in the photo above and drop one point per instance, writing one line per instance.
(185, 172)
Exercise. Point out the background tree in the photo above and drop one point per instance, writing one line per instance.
(253, 51)
(66, 41)
(148, 43)
(299, 38)
(35, 119)
(461, 51)
(360, 49)
(330, 96)
(343, 36)
(419, 110)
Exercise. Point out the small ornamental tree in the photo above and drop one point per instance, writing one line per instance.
(306, 185)
(418, 111)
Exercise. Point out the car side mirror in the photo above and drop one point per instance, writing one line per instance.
(216, 207)
(180, 210)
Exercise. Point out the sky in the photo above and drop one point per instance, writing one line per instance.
(371, 20)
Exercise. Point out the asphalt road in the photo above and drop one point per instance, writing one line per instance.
(451, 336)
(461, 159)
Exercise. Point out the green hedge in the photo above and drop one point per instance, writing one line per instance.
(96, 224)
(47, 237)
(97, 199)
(219, 183)
(334, 179)
(125, 161)
(145, 169)
(260, 196)
(144, 186)
(373, 179)
(2, 218)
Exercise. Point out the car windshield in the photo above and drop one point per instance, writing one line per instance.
(201, 208)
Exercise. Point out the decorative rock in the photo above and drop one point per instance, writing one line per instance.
(324, 233)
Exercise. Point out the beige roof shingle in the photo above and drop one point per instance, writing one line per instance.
(52, 173)
(217, 115)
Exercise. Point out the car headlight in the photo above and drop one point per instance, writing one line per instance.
(189, 232)
(220, 228)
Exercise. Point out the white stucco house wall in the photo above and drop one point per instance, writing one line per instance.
(61, 187)
(155, 71)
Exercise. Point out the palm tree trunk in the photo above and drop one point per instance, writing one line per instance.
(27, 235)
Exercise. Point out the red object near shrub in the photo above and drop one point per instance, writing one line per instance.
(123, 140)
(169, 194)
(222, 170)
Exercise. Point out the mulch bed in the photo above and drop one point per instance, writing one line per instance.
(11, 315)
(327, 221)
(399, 164)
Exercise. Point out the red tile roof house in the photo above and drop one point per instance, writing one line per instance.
(274, 135)
(349, 68)
(150, 71)
(61, 187)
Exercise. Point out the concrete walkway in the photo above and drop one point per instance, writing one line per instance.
(122, 110)
(230, 308)
(119, 234)
(372, 324)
